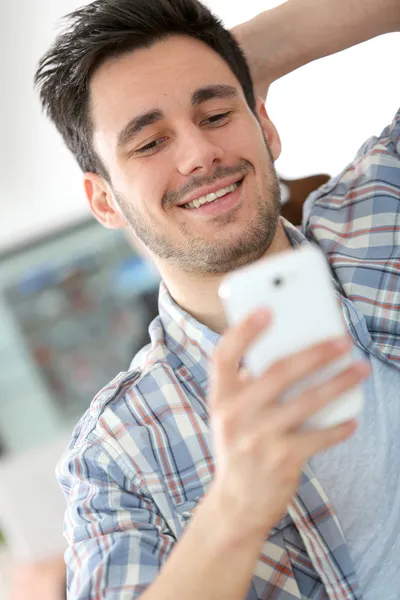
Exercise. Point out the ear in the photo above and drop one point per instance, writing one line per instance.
(269, 129)
(102, 202)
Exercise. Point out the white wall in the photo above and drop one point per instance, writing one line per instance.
(323, 112)
(39, 182)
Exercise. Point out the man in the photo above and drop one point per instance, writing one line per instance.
(187, 478)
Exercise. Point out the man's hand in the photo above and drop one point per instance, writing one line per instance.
(259, 451)
(259, 445)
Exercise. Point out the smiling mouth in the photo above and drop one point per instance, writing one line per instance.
(213, 196)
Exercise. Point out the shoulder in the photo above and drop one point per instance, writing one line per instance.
(129, 397)
(374, 172)
(354, 218)
(111, 440)
(139, 415)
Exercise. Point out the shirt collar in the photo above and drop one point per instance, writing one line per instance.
(190, 339)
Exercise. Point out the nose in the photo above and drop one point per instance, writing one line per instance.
(197, 152)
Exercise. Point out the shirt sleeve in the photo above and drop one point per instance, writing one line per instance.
(117, 539)
(355, 218)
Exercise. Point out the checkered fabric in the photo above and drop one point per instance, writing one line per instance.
(355, 218)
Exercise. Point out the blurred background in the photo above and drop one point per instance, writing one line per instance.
(76, 299)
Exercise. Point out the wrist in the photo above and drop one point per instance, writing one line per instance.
(231, 523)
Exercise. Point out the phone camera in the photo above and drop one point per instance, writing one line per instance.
(278, 282)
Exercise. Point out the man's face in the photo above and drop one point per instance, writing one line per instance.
(188, 161)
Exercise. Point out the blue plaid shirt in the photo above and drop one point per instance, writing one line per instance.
(141, 457)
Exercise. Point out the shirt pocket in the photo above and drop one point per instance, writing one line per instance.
(187, 490)
(184, 511)
(185, 475)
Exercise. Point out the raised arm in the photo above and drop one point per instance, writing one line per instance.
(297, 32)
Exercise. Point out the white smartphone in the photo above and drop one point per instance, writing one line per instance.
(297, 287)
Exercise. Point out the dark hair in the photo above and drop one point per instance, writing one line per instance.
(106, 28)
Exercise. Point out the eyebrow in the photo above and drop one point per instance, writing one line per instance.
(209, 92)
(203, 94)
(136, 125)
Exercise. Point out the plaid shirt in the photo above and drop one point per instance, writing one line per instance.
(141, 457)
(355, 218)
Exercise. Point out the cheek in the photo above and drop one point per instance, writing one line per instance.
(247, 141)
(143, 187)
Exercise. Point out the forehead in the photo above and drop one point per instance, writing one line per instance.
(163, 76)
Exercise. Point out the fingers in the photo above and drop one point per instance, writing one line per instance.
(284, 453)
(289, 371)
(233, 346)
(312, 442)
(295, 413)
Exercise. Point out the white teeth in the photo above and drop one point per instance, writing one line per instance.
(211, 197)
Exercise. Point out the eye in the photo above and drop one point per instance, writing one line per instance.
(218, 119)
(151, 146)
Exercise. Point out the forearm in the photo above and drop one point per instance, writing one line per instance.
(299, 31)
(213, 559)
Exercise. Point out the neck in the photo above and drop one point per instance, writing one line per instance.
(198, 294)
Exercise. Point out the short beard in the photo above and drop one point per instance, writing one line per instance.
(196, 255)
